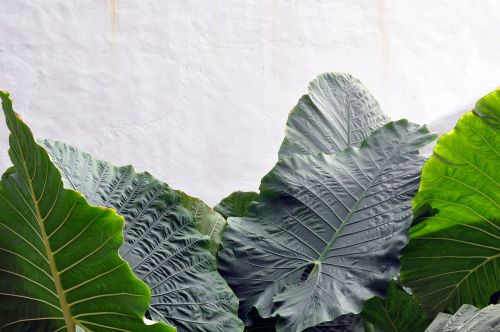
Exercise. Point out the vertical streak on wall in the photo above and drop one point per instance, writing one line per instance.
(386, 51)
(114, 14)
(113, 29)
(274, 46)
(113, 56)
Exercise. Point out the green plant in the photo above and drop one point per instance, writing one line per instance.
(328, 230)
(259, 225)
(315, 250)
(330, 210)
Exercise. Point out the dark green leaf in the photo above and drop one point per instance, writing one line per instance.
(338, 112)
(453, 254)
(161, 244)
(328, 231)
(60, 265)
(236, 204)
(397, 312)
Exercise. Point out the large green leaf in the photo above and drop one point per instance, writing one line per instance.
(468, 319)
(161, 243)
(60, 265)
(338, 112)
(397, 312)
(236, 204)
(453, 254)
(208, 221)
(328, 231)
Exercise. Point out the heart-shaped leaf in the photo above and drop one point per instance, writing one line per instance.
(454, 250)
(162, 243)
(60, 266)
(328, 231)
(337, 113)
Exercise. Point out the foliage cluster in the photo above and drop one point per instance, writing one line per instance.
(352, 230)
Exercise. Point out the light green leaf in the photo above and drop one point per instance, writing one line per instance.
(162, 243)
(338, 112)
(328, 231)
(60, 265)
(236, 204)
(468, 319)
(207, 220)
(454, 251)
(397, 312)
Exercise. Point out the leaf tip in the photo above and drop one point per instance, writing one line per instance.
(6, 101)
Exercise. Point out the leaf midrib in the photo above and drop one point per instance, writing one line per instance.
(53, 268)
(465, 278)
(351, 213)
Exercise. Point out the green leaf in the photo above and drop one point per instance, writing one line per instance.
(345, 323)
(60, 265)
(236, 204)
(468, 319)
(338, 112)
(328, 231)
(208, 221)
(397, 312)
(453, 254)
(162, 243)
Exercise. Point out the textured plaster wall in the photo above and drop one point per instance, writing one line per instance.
(197, 92)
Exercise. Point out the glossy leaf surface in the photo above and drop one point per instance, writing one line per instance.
(328, 232)
(162, 243)
(454, 251)
(59, 264)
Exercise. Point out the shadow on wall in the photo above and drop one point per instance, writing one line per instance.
(443, 125)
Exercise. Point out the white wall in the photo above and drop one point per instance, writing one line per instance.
(198, 92)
